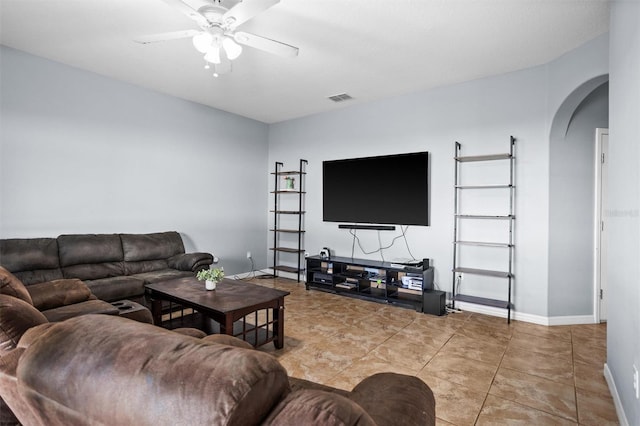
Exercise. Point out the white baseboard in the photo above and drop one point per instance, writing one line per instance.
(571, 320)
(622, 418)
(520, 316)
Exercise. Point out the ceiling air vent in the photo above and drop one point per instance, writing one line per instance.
(340, 97)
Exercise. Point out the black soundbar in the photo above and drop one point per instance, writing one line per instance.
(369, 227)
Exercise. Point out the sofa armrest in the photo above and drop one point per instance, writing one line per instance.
(225, 339)
(309, 406)
(189, 331)
(190, 261)
(53, 294)
(33, 334)
(396, 399)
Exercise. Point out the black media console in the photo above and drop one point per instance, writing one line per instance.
(384, 282)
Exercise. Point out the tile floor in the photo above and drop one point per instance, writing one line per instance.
(481, 370)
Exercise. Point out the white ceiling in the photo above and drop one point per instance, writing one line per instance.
(371, 49)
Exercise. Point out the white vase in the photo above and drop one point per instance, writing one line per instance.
(210, 285)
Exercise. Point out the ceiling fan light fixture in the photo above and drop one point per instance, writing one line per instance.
(202, 42)
(213, 55)
(232, 48)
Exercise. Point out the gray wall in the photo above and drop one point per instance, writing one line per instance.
(571, 208)
(481, 115)
(81, 153)
(623, 212)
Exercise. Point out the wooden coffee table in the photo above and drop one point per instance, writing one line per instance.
(230, 302)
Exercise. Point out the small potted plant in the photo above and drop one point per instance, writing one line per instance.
(289, 183)
(210, 277)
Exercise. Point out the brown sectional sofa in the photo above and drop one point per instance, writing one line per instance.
(113, 266)
(102, 369)
(107, 369)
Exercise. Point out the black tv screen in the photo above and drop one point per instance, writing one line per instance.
(389, 189)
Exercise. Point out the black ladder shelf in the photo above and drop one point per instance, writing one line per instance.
(291, 213)
(458, 241)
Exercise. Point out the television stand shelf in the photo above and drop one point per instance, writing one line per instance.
(373, 280)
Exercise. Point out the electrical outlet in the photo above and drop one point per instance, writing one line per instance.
(460, 276)
(248, 255)
(306, 254)
(636, 385)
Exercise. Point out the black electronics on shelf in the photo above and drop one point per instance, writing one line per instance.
(288, 223)
(373, 280)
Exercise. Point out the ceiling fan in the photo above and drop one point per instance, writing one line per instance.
(217, 38)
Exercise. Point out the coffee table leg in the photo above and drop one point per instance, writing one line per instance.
(156, 311)
(278, 314)
(227, 327)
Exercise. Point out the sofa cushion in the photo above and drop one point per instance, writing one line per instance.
(143, 266)
(93, 306)
(80, 249)
(53, 294)
(94, 271)
(12, 286)
(156, 376)
(161, 245)
(116, 288)
(162, 275)
(16, 317)
(32, 260)
(314, 407)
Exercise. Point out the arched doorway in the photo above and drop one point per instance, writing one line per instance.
(572, 196)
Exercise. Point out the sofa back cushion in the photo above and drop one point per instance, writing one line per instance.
(155, 376)
(12, 286)
(16, 317)
(91, 256)
(149, 252)
(32, 260)
(161, 245)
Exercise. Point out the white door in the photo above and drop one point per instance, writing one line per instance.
(600, 299)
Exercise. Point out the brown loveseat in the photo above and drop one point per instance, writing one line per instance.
(113, 266)
(107, 370)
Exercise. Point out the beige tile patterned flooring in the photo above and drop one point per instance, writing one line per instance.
(481, 370)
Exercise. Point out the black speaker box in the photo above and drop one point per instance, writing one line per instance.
(433, 302)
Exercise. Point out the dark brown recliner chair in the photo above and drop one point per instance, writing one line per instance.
(58, 299)
(100, 369)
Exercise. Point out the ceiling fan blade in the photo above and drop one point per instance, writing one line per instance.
(189, 12)
(266, 44)
(245, 10)
(174, 35)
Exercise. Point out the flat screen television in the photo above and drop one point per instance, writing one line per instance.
(388, 189)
